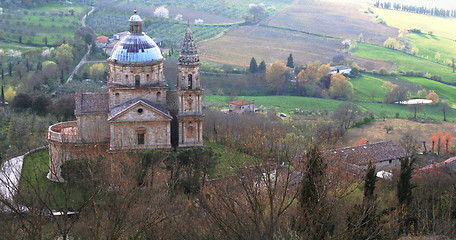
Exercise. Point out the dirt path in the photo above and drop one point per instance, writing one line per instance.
(84, 59)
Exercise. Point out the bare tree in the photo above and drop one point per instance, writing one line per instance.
(444, 107)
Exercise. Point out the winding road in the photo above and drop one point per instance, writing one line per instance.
(84, 59)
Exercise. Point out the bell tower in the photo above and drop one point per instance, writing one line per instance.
(190, 93)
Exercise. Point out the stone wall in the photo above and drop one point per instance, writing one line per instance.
(118, 96)
(124, 135)
(151, 73)
(62, 152)
(184, 72)
(93, 128)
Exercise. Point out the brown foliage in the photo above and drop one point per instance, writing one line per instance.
(434, 97)
(277, 75)
(361, 141)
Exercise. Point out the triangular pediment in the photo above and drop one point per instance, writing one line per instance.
(138, 111)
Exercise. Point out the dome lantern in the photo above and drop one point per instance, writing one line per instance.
(135, 23)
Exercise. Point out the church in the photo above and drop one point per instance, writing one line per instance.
(138, 111)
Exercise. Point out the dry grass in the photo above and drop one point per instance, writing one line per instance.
(240, 45)
(375, 131)
(335, 19)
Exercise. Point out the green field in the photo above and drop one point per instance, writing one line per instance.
(33, 181)
(368, 89)
(287, 104)
(53, 22)
(439, 26)
(405, 62)
(429, 45)
(443, 90)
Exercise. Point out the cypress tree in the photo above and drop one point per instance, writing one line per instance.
(290, 62)
(262, 67)
(253, 66)
(39, 66)
(362, 223)
(314, 219)
(405, 186)
(2, 97)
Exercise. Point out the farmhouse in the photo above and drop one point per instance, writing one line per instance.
(341, 69)
(242, 106)
(385, 155)
(101, 41)
(138, 111)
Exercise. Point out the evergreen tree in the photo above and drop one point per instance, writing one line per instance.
(290, 62)
(3, 74)
(253, 66)
(314, 219)
(2, 96)
(262, 67)
(363, 222)
(405, 186)
(10, 69)
(39, 66)
(404, 196)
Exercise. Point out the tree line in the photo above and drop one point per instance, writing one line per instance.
(433, 11)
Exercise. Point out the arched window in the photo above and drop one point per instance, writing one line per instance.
(137, 80)
(158, 96)
(190, 81)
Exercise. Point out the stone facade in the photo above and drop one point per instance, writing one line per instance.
(138, 111)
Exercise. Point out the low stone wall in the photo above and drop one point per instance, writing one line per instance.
(56, 132)
(62, 152)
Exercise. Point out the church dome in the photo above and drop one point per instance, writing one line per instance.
(136, 47)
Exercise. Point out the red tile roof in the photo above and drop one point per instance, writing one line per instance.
(363, 154)
(91, 103)
(241, 102)
(102, 39)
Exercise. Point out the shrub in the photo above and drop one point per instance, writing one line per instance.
(365, 120)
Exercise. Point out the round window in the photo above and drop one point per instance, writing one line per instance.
(140, 110)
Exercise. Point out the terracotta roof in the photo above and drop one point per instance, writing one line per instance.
(241, 102)
(90, 103)
(102, 39)
(127, 105)
(449, 163)
(363, 154)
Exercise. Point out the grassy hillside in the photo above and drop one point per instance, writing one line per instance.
(368, 89)
(441, 89)
(439, 26)
(405, 62)
(429, 45)
(287, 104)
